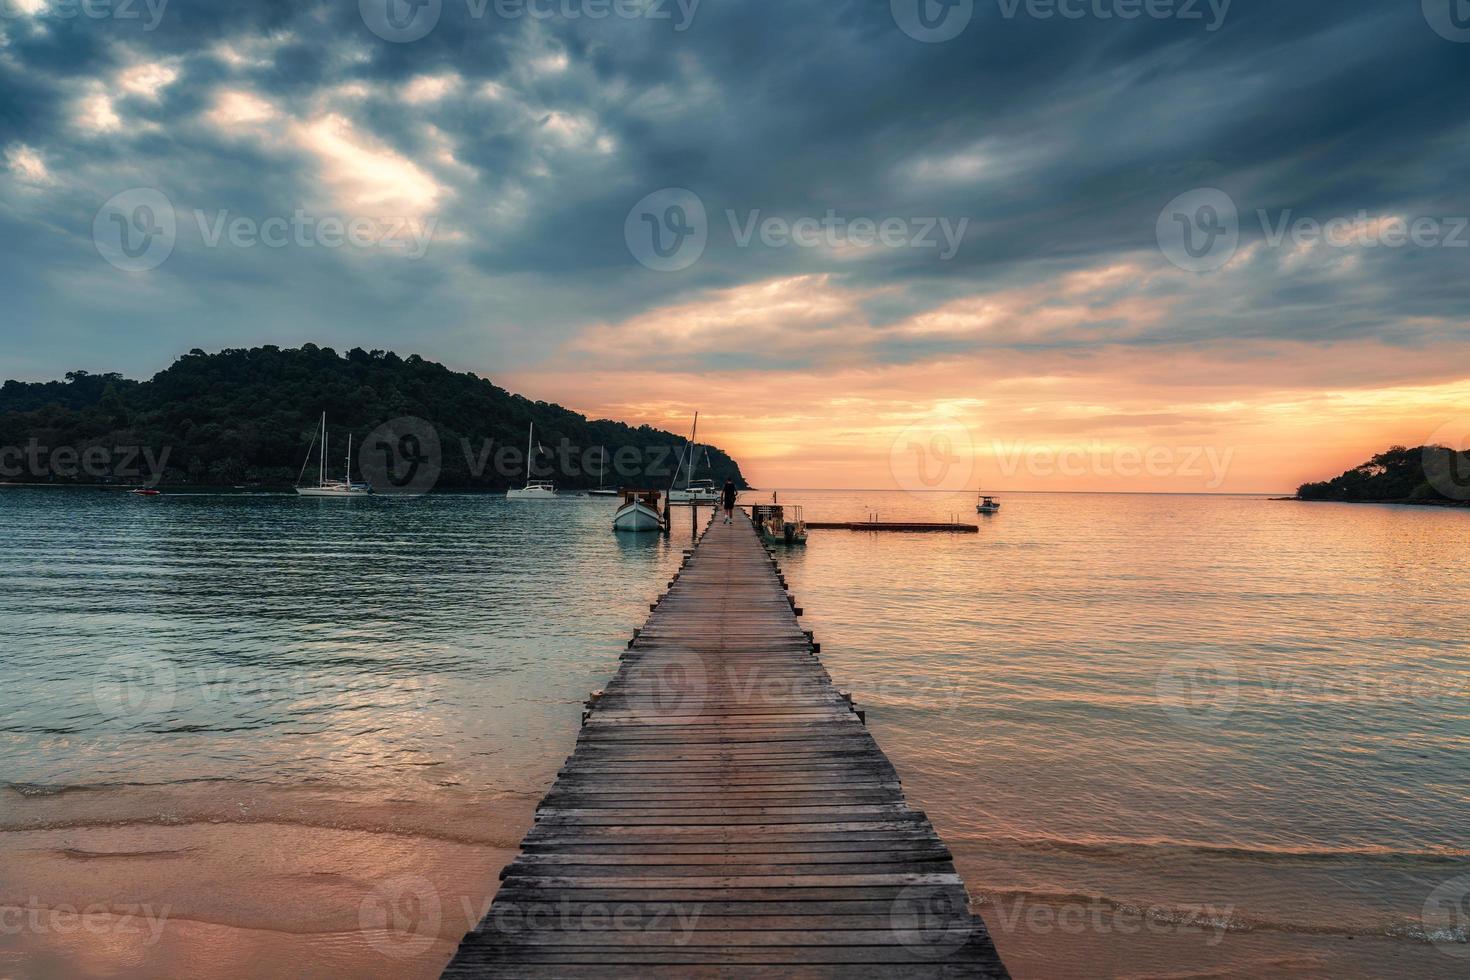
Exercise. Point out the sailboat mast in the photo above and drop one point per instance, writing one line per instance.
(321, 477)
(349, 460)
(693, 450)
(530, 438)
(602, 451)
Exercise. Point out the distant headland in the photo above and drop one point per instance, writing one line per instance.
(244, 418)
(1428, 475)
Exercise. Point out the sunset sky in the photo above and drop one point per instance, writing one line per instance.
(1053, 342)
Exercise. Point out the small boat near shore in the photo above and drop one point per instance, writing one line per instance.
(987, 505)
(146, 492)
(779, 523)
(639, 512)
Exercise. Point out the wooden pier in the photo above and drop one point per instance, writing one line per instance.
(727, 814)
(912, 527)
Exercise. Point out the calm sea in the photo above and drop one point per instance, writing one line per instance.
(1164, 735)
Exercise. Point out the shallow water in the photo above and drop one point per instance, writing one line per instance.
(1163, 735)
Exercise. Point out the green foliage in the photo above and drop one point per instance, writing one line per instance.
(248, 416)
(1400, 474)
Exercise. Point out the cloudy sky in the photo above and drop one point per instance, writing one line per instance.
(1112, 244)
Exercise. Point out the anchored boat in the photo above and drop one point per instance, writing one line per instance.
(987, 505)
(693, 491)
(639, 511)
(601, 490)
(534, 489)
(779, 523)
(698, 491)
(330, 488)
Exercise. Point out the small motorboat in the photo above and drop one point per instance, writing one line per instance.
(146, 492)
(779, 523)
(639, 511)
(987, 505)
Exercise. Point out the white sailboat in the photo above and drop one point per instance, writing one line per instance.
(601, 491)
(699, 491)
(331, 488)
(638, 512)
(695, 491)
(534, 489)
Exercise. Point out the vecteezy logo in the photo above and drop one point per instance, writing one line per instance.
(1198, 691)
(400, 21)
(931, 920)
(1447, 917)
(936, 453)
(932, 21)
(1199, 231)
(667, 230)
(1447, 459)
(135, 685)
(402, 457)
(136, 229)
(1449, 18)
(679, 684)
(401, 916)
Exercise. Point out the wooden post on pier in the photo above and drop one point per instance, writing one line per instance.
(727, 814)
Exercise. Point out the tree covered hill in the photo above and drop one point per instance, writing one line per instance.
(1426, 475)
(248, 416)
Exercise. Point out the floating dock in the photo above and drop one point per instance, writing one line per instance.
(727, 814)
(912, 526)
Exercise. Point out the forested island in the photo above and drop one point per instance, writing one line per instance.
(1434, 475)
(247, 417)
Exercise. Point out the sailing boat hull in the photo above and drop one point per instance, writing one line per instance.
(637, 517)
(602, 493)
(531, 493)
(334, 491)
(694, 495)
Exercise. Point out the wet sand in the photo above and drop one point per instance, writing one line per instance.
(251, 882)
(247, 882)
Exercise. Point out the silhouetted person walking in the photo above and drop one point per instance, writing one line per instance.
(728, 494)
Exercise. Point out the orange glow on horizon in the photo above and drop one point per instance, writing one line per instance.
(1085, 381)
(1094, 432)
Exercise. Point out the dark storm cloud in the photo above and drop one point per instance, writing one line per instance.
(1058, 140)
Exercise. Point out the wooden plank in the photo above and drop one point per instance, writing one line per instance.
(726, 814)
